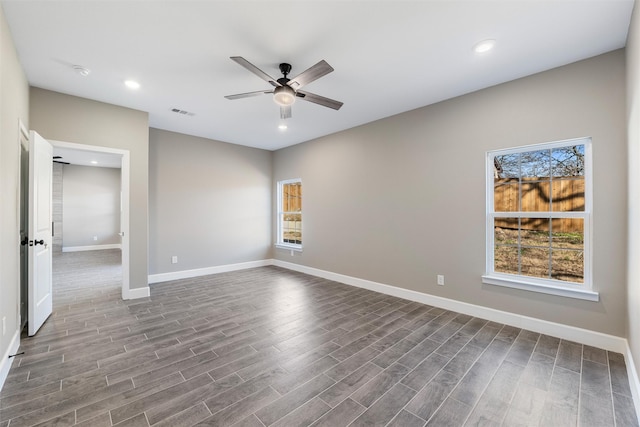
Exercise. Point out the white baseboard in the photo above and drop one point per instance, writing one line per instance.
(584, 336)
(91, 248)
(136, 293)
(5, 363)
(634, 381)
(187, 274)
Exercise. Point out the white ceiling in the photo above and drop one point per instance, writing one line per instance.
(389, 56)
(88, 158)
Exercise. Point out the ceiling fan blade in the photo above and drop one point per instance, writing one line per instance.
(255, 70)
(320, 100)
(248, 94)
(285, 112)
(311, 74)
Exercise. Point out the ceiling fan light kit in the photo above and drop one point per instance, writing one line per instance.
(287, 90)
(284, 96)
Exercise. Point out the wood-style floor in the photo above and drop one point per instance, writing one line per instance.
(268, 346)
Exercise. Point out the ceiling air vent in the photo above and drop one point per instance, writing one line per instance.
(183, 112)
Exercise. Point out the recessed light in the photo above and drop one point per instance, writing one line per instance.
(132, 84)
(484, 46)
(282, 127)
(93, 162)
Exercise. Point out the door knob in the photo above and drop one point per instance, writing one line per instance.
(24, 241)
(38, 242)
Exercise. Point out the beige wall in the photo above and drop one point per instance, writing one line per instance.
(91, 206)
(209, 203)
(14, 106)
(71, 119)
(401, 200)
(633, 121)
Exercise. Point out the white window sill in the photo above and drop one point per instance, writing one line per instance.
(519, 283)
(289, 247)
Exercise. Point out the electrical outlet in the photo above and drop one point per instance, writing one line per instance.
(95, 238)
(440, 280)
(174, 259)
(4, 325)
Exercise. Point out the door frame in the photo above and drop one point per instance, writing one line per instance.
(23, 192)
(125, 174)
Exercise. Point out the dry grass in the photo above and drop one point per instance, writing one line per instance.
(293, 237)
(562, 260)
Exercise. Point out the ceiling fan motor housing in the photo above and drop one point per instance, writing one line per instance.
(285, 68)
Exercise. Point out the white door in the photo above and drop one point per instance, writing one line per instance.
(40, 232)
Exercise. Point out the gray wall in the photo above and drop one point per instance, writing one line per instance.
(91, 206)
(71, 119)
(633, 121)
(56, 203)
(14, 106)
(401, 200)
(209, 202)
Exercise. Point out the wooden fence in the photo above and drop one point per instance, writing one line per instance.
(292, 203)
(292, 197)
(562, 194)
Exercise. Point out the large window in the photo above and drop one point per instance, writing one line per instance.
(290, 214)
(538, 218)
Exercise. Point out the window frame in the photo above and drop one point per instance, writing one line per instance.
(280, 243)
(542, 285)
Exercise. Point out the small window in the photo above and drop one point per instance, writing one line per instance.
(538, 218)
(290, 214)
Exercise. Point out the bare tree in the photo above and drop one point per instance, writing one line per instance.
(556, 162)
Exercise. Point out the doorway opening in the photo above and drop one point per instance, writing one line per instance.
(119, 160)
(96, 215)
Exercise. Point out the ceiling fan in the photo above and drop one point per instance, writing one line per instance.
(287, 90)
(58, 159)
